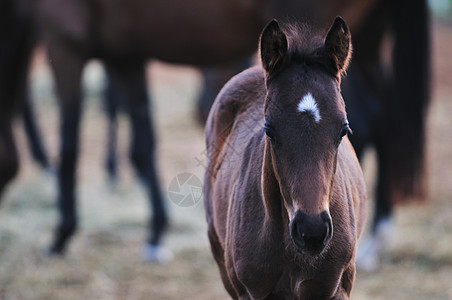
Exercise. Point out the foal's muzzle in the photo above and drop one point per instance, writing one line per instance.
(311, 233)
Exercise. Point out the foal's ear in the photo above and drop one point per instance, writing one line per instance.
(273, 46)
(338, 46)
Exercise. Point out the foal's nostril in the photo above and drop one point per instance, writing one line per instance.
(327, 235)
(298, 234)
(311, 233)
(329, 226)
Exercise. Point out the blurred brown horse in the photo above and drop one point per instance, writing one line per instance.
(125, 34)
(284, 193)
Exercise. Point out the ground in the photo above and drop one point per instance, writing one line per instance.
(104, 262)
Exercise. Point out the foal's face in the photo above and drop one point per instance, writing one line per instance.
(305, 121)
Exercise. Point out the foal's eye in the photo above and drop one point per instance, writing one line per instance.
(345, 130)
(269, 131)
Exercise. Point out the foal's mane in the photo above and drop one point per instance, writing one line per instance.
(302, 38)
(305, 46)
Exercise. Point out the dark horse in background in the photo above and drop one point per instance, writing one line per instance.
(125, 34)
(387, 103)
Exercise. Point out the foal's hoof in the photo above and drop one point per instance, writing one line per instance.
(155, 253)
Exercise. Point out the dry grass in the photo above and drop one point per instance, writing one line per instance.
(103, 261)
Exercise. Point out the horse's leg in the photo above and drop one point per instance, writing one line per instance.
(383, 207)
(67, 66)
(111, 107)
(364, 110)
(382, 227)
(9, 161)
(17, 39)
(130, 82)
(32, 131)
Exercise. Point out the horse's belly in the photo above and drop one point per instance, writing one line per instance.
(191, 32)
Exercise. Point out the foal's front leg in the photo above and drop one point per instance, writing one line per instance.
(346, 284)
(67, 66)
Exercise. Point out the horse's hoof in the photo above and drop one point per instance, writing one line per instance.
(112, 183)
(368, 255)
(155, 253)
(51, 252)
(58, 247)
(370, 248)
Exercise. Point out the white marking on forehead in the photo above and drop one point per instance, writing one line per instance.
(308, 104)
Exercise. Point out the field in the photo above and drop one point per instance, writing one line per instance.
(104, 262)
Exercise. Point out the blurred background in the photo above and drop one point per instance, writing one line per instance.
(104, 261)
